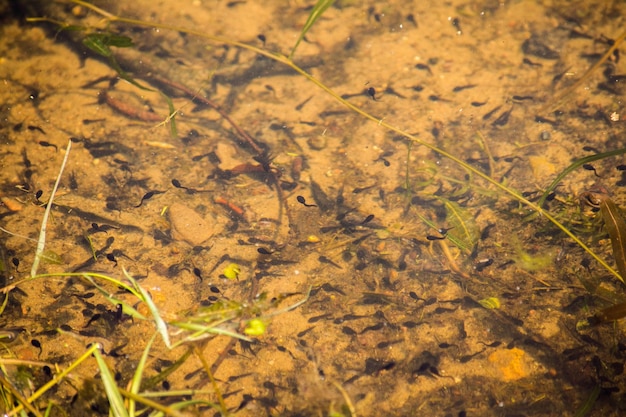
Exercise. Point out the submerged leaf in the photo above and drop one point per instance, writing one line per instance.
(51, 257)
(100, 43)
(464, 232)
(95, 42)
(490, 303)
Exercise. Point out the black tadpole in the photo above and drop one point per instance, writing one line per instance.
(37, 344)
(368, 219)
(590, 167)
(372, 93)
(455, 22)
(148, 196)
(48, 144)
(302, 201)
(111, 257)
(177, 184)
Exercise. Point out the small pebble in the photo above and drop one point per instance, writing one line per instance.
(187, 225)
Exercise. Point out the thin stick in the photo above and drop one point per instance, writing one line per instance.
(41, 243)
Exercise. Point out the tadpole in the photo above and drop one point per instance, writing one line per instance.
(148, 196)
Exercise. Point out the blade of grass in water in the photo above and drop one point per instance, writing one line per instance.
(126, 307)
(319, 8)
(616, 227)
(41, 243)
(172, 116)
(576, 164)
(158, 320)
(136, 381)
(112, 391)
(586, 408)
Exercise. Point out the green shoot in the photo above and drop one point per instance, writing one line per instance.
(156, 316)
(319, 8)
(101, 43)
(576, 164)
(113, 394)
(136, 381)
(465, 232)
(586, 408)
(126, 308)
(172, 116)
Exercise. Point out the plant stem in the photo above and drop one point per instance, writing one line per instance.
(41, 243)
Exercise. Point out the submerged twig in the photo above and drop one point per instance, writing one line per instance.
(41, 243)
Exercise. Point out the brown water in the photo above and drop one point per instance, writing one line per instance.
(393, 318)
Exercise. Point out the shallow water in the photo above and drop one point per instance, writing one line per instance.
(395, 244)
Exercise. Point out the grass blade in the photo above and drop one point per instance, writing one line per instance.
(158, 320)
(464, 233)
(573, 166)
(126, 308)
(172, 116)
(41, 243)
(589, 403)
(168, 410)
(616, 227)
(319, 8)
(136, 381)
(112, 391)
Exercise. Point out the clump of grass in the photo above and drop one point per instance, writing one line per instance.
(223, 318)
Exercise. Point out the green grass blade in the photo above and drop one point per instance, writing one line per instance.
(101, 43)
(588, 405)
(150, 383)
(172, 116)
(464, 231)
(158, 320)
(161, 409)
(319, 8)
(126, 308)
(135, 384)
(112, 391)
(576, 164)
(96, 43)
